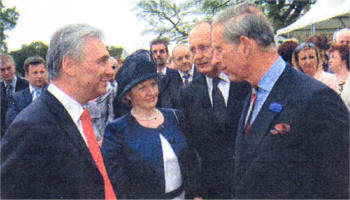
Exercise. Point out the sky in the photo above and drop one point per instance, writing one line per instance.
(39, 19)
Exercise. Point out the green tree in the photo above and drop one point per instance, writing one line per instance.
(8, 20)
(175, 20)
(115, 51)
(36, 48)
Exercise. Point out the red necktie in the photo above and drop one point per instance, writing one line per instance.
(96, 152)
(250, 111)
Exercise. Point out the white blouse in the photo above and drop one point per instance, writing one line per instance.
(172, 173)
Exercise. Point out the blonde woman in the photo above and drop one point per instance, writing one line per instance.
(306, 58)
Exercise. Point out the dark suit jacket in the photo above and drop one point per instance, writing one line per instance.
(17, 103)
(215, 143)
(20, 85)
(196, 73)
(134, 158)
(311, 160)
(43, 155)
(169, 86)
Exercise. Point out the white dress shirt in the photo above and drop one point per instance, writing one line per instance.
(190, 72)
(224, 87)
(73, 107)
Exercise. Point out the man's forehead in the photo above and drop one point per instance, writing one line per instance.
(158, 46)
(6, 65)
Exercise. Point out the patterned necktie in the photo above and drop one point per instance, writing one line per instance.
(9, 90)
(95, 151)
(219, 106)
(249, 114)
(186, 77)
(36, 93)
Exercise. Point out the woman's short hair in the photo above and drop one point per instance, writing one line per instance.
(344, 51)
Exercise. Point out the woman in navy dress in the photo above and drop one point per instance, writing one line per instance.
(145, 151)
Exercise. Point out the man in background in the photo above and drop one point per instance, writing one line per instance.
(9, 85)
(35, 72)
(183, 60)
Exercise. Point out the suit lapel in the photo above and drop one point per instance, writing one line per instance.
(203, 91)
(68, 126)
(261, 125)
(27, 97)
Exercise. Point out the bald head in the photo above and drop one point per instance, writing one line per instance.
(182, 58)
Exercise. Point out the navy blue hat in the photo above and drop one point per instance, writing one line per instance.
(137, 67)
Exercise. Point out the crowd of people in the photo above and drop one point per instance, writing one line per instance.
(227, 116)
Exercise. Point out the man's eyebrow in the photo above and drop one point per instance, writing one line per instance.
(103, 58)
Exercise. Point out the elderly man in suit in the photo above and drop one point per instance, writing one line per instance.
(293, 136)
(212, 107)
(35, 71)
(50, 150)
(183, 60)
(9, 85)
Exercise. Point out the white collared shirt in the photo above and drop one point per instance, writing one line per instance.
(224, 87)
(73, 107)
(190, 72)
(32, 89)
(163, 72)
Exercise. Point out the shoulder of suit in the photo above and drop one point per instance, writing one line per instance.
(21, 93)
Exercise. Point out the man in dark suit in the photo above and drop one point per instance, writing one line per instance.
(50, 150)
(169, 79)
(211, 129)
(293, 136)
(9, 85)
(183, 60)
(35, 71)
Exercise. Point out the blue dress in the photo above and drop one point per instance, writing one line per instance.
(134, 159)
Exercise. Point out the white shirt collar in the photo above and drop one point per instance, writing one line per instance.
(12, 83)
(190, 72)
(163, 70)
(73, 107)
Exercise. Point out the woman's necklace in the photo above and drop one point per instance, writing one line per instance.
(153, 117)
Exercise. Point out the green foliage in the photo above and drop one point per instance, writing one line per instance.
(115, 51)
(166, 18)
(8, 20)
(175, 20)
(284, 12)
(36, 48)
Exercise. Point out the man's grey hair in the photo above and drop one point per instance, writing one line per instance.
(248, 20)
(337, 32)
(68, 41)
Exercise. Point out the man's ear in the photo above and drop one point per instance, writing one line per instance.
(69, 66)
(246, 46)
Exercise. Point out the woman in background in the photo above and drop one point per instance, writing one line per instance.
(306, 58)
(339, 63)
